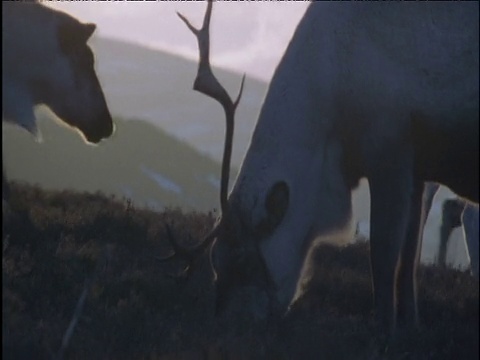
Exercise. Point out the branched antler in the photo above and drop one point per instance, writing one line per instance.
(188, 254)
(206, 83)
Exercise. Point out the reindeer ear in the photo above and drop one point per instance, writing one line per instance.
(88, 29)
(74, 34)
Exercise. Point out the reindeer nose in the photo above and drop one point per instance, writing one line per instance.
(108, 126)
(103, 129)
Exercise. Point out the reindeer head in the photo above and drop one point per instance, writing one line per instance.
(234, 261)
(47, 61)
(270, 217)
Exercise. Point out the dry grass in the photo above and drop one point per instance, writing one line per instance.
(51, 246)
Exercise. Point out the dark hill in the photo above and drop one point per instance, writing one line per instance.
(140, 162)
(55, 242)
(143, 83)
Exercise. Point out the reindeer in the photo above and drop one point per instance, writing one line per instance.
(456, 213)
(385, 91)
(46, 60)
(470, 219)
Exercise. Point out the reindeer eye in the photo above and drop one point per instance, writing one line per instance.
(276, 201)
(276, 204)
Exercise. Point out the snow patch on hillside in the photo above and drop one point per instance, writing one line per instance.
(213, 180)
(161, 180)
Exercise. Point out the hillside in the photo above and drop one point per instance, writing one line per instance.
(147, 84)
(168, 155)
(57, 244)
(141, 162)
(156, 86)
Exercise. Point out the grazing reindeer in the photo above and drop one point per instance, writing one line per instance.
(456, 213)
(470, 220)
(46, 60)
(386, 91)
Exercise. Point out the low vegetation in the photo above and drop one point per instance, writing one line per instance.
(56, 244)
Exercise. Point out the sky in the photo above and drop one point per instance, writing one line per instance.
(248, 37)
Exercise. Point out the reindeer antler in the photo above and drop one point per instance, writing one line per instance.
(190, 255)
(207, 84)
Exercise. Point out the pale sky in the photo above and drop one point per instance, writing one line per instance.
(248, 36)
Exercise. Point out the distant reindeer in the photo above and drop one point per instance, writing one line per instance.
(382, 90)
(456, 213)
(46, 60)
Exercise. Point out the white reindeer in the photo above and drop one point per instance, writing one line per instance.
(46, 60)
(382, 90)
(456, 213)
(470, 221)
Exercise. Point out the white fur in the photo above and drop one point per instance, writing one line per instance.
(355, 62)
(29, 50)
(470, 226)
(31, 53)
(470, 221)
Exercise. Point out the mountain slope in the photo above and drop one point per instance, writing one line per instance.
(152, 85)
(56, 243)
(155, 86)
(140, 162)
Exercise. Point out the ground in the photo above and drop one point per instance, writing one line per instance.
(57, 245)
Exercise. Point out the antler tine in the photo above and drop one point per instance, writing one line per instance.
(207, 84)
(178, 250)
(240, 92)
(190, 254)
